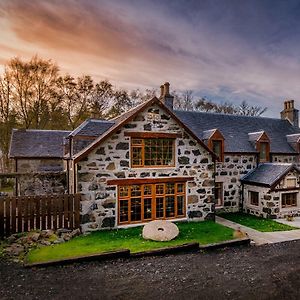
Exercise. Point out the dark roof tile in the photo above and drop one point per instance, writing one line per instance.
(37, 143)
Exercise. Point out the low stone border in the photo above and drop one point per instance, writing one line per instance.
(101, 256)
(167, 250)
(231, 243)
(125, 253)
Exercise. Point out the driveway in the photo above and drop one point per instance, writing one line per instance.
(270, 271)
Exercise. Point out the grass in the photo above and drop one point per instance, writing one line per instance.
(102, 241)
(257, 223)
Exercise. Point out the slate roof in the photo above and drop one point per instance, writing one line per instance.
(268, 173)
(37, 143)
(235, 129)
(92, 127)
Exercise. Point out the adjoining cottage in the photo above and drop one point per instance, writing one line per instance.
(272, 190)
(39, 161)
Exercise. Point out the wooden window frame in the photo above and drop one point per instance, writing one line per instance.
(153, 197)
(264, 139)
(283, 195)
(250, 194)
(221, 188)
(142, 147)
(217, 137)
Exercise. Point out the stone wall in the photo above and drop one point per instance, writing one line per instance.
(39, 165)
(270, 201)
(229, 172)
(111, 160)
(42, 184)
(285, 158)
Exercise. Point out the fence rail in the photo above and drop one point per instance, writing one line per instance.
(22, 214)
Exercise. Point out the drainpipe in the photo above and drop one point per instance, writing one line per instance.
(242, 202)
(16, 181)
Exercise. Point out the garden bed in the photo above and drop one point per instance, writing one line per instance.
(257, 223)
(206, 232)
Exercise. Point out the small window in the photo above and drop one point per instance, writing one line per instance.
(219, 193)
(290, 182)
(289, 199)
(217, 148)
(263, 151)
(254, 198)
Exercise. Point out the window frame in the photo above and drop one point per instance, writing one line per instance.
(220, 188)
(128, 197)
(250, 194)
(142, 146)
(291, 205)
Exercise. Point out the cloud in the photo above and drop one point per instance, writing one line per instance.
(228, 50)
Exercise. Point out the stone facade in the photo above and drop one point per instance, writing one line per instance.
(111, 160)
(285, 158)
(270, 205)
(40, 177)
(229, 173)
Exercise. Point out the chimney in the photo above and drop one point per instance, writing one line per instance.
(165, 96)
(290, 113)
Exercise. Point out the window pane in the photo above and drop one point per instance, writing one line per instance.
(147, 208)
(217, 148)
(136, 190)
(254, 198)
(180, 188)
(219, 193)
(170, 206)
(124, 191)
(159, 207)
(124, 211)
(136, 209)
(170, 188)
(263, 151)
(180, 205)
(137, 156)
(147, 189)
(160, 189)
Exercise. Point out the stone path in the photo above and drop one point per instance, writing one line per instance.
(261, 238)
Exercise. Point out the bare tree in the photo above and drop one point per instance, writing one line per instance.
(228, 108)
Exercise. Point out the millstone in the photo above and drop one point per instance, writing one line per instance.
(160, 230)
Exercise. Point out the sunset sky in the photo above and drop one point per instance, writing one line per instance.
(225, 50)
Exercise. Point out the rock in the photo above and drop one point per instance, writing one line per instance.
(75, 232)
(34, 236)
(61, 231)
(47, 233)
(45, 243)
(14, 249)
(12, 238)
(160, 230)
(66, 236)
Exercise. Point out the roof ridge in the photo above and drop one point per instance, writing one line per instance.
(230, 115)
(40, 130)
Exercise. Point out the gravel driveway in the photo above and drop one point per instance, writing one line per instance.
(264, 272)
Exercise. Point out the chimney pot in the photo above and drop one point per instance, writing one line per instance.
(167, 89)
(162, 88)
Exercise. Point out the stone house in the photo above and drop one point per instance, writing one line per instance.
(39, 166)
(147, 165)
(272, 190)
(155, 162)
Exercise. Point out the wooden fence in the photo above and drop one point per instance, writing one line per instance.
(22, 214)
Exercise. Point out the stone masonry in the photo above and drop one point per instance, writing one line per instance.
(111, 160)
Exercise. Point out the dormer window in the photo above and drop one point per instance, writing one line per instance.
(215, 142)
(261, 142)
(263, 152)
(217, 148)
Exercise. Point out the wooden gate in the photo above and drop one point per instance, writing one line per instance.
(22, 214)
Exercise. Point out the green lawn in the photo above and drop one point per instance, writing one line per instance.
(102, 241)
(260, 224)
